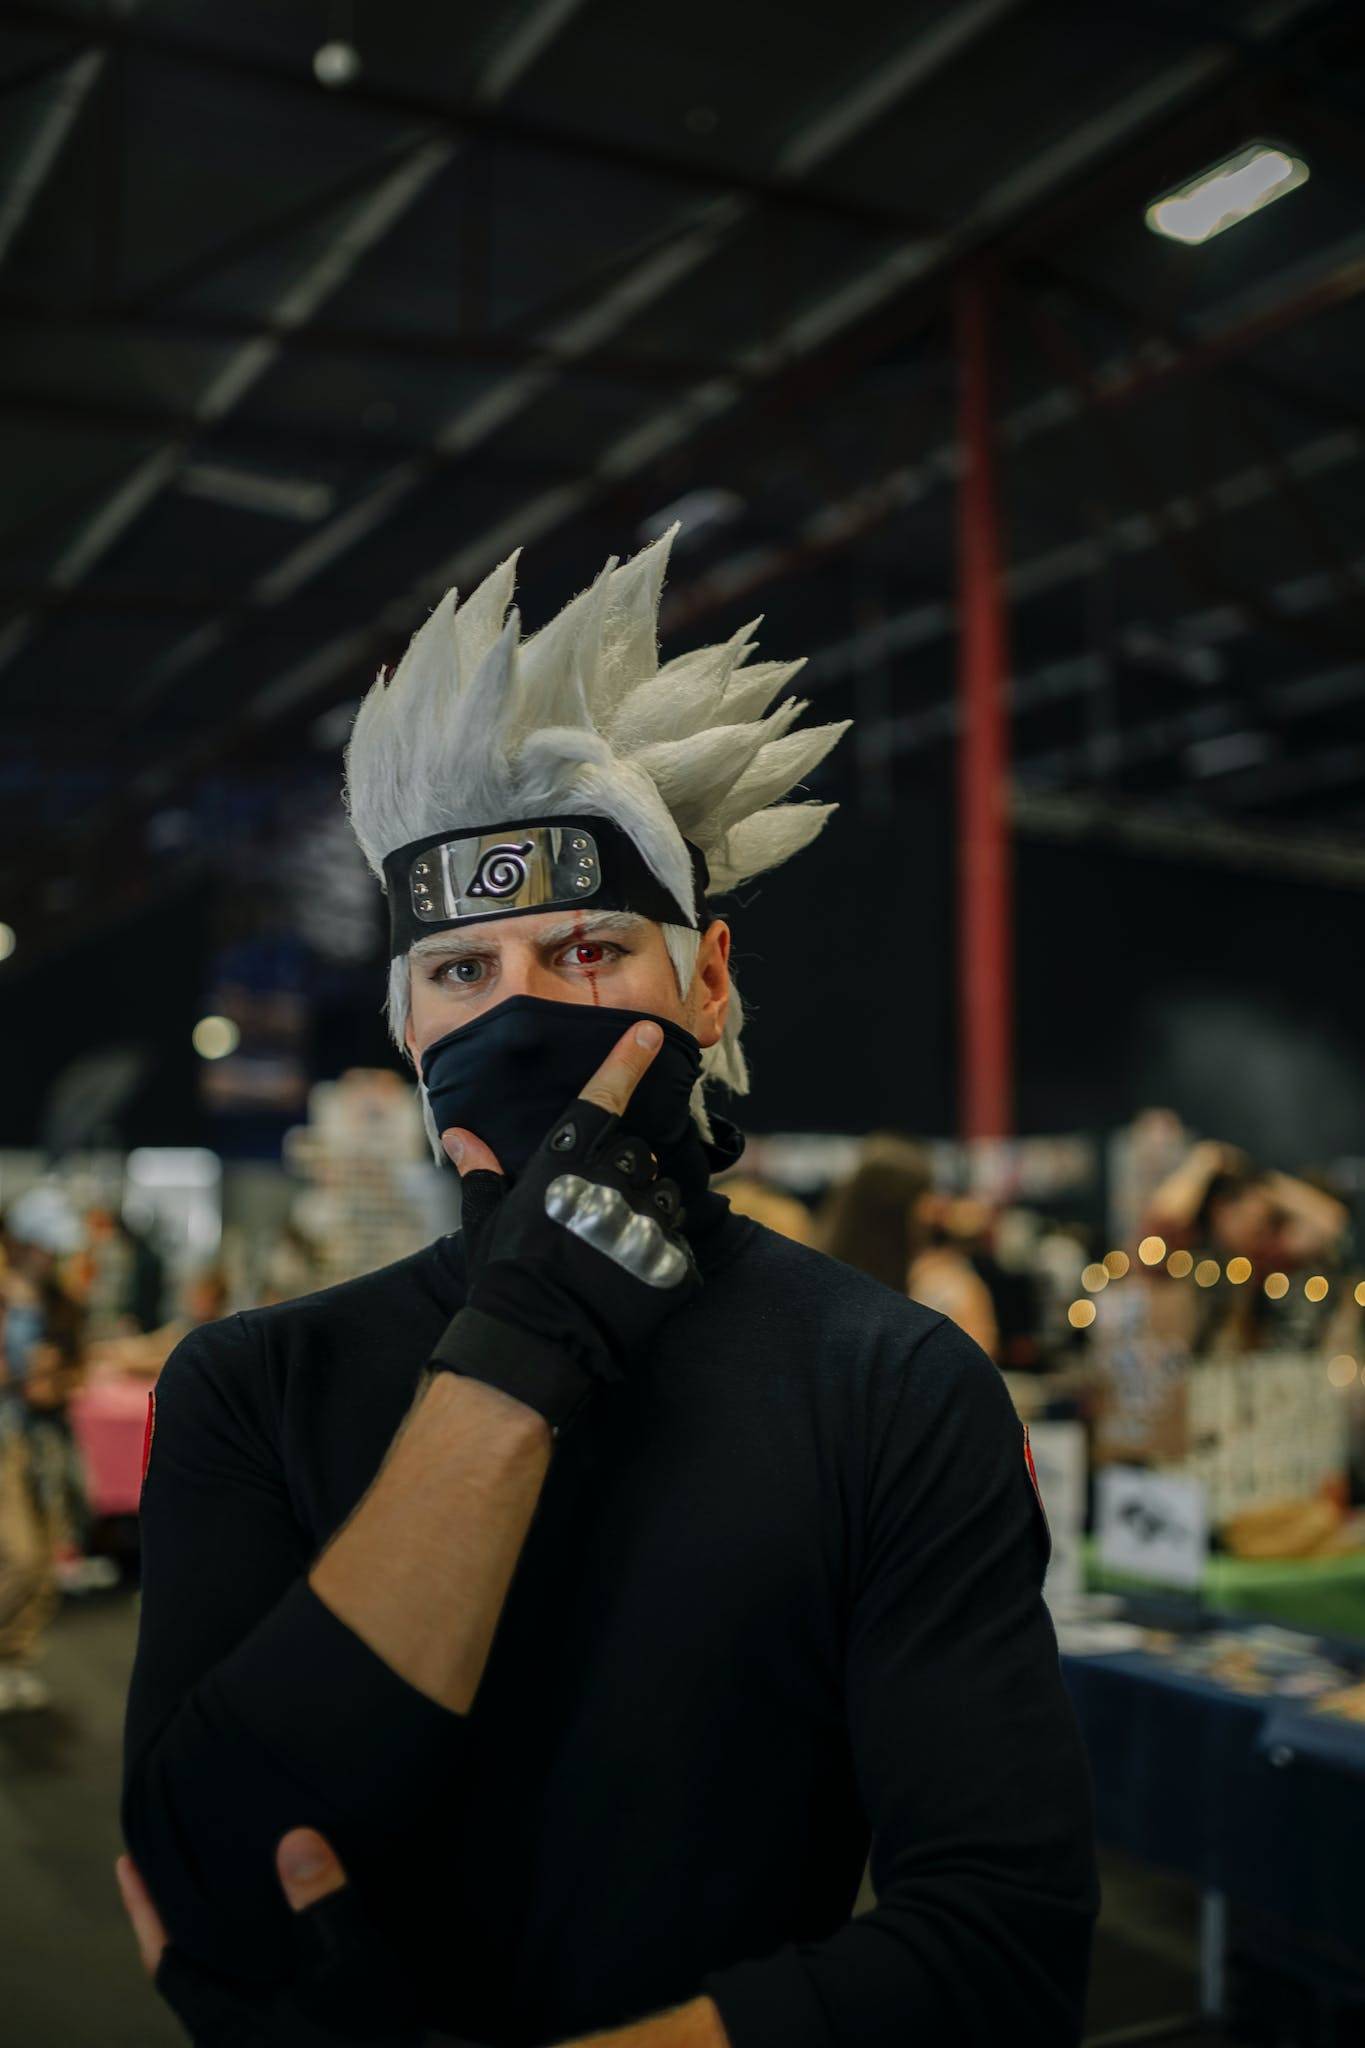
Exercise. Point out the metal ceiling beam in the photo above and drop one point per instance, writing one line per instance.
(491, 349)
(1151, 830)
(395, 488)
(1180, 534)
(49, 139)
(580, 336)
(376, 213)
(246, 439)
(841, 524)
(1173, 352)
(1098, 136)
(486, 115)
(1104, 136)
(234, 378)
(936, 724)
(242, 246)
(1208, 718)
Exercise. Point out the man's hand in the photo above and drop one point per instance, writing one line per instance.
(347, 1986)
(611, 1088)
(308, 1870)
(572, 1269)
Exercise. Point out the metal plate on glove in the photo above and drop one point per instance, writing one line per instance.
(603, 1217)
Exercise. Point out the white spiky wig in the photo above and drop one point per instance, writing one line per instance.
(476, 725)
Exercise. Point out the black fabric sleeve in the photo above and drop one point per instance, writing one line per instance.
(252, 1708)
(969, 1759)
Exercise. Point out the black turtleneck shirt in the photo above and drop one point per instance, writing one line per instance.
(780, 1597)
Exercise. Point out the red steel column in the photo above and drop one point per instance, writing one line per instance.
(984, 891)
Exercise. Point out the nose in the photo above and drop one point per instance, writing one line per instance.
(529, 975)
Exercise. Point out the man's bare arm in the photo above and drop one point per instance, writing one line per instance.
(697, 2024)
(421, 1569)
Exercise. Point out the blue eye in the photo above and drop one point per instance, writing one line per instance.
(606, 947)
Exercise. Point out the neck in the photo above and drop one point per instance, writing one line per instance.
(691, 1163)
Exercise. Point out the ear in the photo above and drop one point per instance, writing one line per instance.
(713, 981)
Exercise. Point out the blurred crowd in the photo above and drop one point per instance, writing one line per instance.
(84, 1310)
(1012, 1276)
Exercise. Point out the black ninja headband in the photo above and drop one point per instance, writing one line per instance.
(534, 864)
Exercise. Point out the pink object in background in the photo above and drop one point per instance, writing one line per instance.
(109, 1423)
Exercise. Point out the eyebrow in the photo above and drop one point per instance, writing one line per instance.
(452, 945)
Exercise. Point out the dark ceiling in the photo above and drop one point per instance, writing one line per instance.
(279, 362)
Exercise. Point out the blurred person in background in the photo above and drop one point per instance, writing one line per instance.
(207, 1297)
(28, 1587)
(292, 1266)
(886, 1220)
(870, 1218)
(56, 1368)
(945, 1271)
(28, 1584)
(23, 1272)
(1218, 1201)
(122, 1275)
(44, 1518)
(770, 1206)
(1017, 1288)
(1219, 1204)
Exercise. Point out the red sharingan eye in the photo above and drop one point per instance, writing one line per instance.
(599, 946)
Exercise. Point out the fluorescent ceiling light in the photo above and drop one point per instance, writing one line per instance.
(1226, 193)
(697, 510)
(250, 490)
(1227, 752)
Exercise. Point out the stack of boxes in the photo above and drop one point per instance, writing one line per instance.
(374, 1194)
(1266, 1427)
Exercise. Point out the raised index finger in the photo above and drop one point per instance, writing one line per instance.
(616, 1080)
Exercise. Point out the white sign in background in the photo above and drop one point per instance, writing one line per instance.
(1059, 1458)
(1152, 1525)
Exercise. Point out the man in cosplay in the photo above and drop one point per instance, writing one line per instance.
(595, 1585)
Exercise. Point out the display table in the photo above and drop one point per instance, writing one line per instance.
(1258, 1799)
(109, 1423)
(1322, 1596)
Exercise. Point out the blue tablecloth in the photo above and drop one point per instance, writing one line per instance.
(1250, 1796)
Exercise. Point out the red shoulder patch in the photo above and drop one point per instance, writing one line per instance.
(147, 1435)
(1033, 1475)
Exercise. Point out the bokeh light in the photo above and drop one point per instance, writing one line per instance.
(215, 1037)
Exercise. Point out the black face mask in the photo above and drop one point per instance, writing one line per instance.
(509, 1073)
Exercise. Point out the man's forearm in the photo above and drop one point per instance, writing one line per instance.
(697, 2024)
(422, 1567)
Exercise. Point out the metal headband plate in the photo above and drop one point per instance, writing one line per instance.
(485, 873)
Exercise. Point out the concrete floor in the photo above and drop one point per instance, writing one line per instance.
(69, 1976)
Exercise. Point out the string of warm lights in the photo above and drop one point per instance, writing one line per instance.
(1342, 1370)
